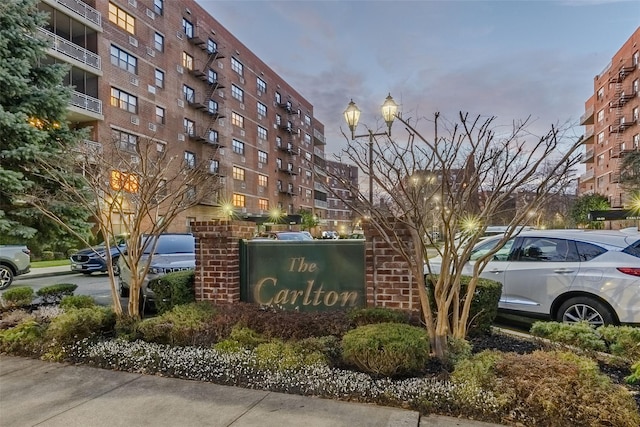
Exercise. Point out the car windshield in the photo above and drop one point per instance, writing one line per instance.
(486, 246)
(294, 236)
(171, 244)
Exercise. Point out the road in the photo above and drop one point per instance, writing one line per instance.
(95, 285)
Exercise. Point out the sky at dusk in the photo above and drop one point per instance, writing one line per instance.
(509, 59)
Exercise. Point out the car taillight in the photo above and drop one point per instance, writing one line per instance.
(633, 271)
(26, 251)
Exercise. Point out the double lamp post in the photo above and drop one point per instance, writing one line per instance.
(352, 115)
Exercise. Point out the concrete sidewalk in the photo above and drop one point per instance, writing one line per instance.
(33, 392)
(60, 270)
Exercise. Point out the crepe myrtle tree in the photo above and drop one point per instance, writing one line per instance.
(136, 189)
(455, 182)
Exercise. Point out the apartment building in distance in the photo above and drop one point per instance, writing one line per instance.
(612, 120)
(168, 70)
(340, 217)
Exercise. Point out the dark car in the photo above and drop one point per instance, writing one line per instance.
(173, 252)
(91, 260)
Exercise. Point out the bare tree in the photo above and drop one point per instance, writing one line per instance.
(137, 190)
(455, 183)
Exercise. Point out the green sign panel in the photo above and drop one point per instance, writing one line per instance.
(303, 275)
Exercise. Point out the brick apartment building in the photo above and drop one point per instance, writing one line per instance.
(168, 70)
(612, 120)
(339, 217)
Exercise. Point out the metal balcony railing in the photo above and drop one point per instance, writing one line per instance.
(71, 50)
(84, 10)
(86, 102)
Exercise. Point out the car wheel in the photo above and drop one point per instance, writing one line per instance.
(585, 309)
(6, 277)
(124, 292)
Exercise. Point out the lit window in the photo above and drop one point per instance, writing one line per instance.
(187, 27)
(160, 115)
(237, 93)
(238, 147)
(263, 180)
(121, 181)
(190, 159)
(262, 133)
(122, 19)
(238, 200)
(262, 85)
(122, 59)
(159, 78)
(262, 110)
(238, 173)
(124, 100)
(263, 204)
(237, 120)
(262, 157)
(187, 61)
(237, 66)
(158, 42)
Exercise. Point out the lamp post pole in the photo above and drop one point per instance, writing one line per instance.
(352, 115)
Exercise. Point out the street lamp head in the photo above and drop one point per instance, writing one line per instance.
(389, 111)
(352, 115)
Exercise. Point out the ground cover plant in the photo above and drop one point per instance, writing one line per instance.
(493, 377)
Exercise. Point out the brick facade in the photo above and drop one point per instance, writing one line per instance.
(389, 281)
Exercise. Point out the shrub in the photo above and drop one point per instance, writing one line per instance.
(550, 389)
(634, 378)
(48, 256)
(77, 324)
(366, 316)
(23, 339)
(623, 341)
(457, 350)
(484, 305)
(278, 355)
(55, 293)
(20, 296)
(329, 346)
(581, 335)
(77, 301)
(127, 327)
(183, 325)
(388, 349)
(71, 251)
(13, 318)
(173, 289)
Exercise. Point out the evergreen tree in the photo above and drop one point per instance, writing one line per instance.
(584, 204)
(33, 107)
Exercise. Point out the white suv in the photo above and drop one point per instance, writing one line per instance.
(566, 275)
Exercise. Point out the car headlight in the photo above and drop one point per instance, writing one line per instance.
(156, 270)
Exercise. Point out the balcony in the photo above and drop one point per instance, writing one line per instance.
(81, 10)
(322, 204)
(288, 170)
(84, 108)
(287, 192)
(587, 117)
(587, 157)
(318, 152)
(71, 50)
(89, 151)
(319, 138)
(587, 176)
(289, 149)
(287, 107)
(289, 128)
(622, 126)
(588, 137)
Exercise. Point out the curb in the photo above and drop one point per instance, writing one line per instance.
(41, 275)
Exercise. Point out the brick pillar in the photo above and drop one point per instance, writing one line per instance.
(217, 274)
(390, 282)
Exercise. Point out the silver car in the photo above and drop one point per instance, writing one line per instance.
(565, 275)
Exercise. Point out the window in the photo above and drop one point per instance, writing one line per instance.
(122, 59)
(278, 141)
(307, 120)
(237, 66)
(636, 140)
(214, 166)
(125, 141)
(237, 93)
(190, 159)
(262, 110)
(158, 6)
(636, 58)
(307, 174)
(122, 19)
(600, 94)
(160, 115)
(600, 115)
(263, 204)
(187, 27)
(636, 86)
(189, 127)
(262, 157)
(212, 76)
(238, 173)
(212, 135)
(263, 180)
(262, 85)
(600, 181)
(159, 78)
(600, 159)
(279, 163)
(279, 185)
(158, 42)
(238, 147)
(278, 98)
(601, 138)
(307, 156)
(187, 61)
(547, 249)
(189, 93)
(128, 182)
(237, 120)
(212, 46)
(262, 133)
(161, 147)
(124, 101)
(635, 114)
(278, 119)
(238, 200)
(212, 106)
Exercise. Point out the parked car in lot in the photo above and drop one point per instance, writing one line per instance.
(14, 261)
(285, 235)
(173, 252)
(565, 275)
(91, 260)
